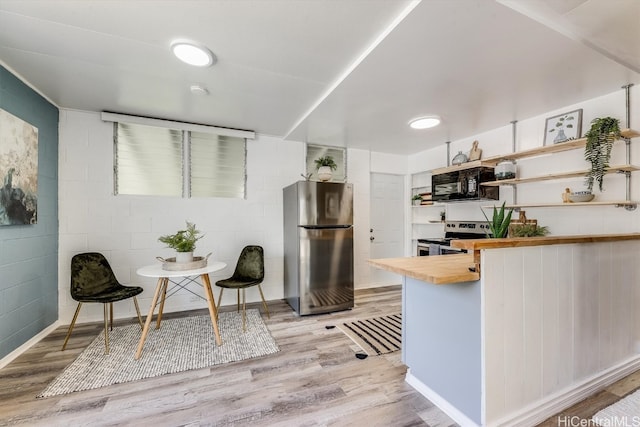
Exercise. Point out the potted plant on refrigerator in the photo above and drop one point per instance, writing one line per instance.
(183, 242)
(325, 166)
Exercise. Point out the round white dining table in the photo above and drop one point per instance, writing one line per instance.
(180, 278)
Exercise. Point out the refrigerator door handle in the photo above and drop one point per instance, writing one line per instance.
(324, 227)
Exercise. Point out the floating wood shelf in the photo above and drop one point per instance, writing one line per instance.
(464, 166)
(549, 149)
(620, 203)
(560, 175)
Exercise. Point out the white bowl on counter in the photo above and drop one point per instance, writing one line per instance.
(581, 196)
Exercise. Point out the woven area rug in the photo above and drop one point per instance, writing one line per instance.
(179, 345)
(378, 335)
(624, 412)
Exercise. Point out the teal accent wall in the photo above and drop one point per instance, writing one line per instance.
(29, 253)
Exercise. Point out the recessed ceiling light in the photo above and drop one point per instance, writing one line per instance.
(424, 122)
(192, 53)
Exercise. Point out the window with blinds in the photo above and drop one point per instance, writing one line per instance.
(339, 156)
(159, 161)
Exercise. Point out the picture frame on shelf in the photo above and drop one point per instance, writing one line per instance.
(563, 127)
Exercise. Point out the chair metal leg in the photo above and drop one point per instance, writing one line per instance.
(238, 310)
(264, 303)
(111, 316)
(73, 322)
(219, 302)
(106, 330)
(135, 302)
(244, 311)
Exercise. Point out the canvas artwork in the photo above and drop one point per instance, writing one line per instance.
(18, 171)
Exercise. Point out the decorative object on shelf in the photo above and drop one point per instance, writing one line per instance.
(459, 158)
(475, 152)
(443, 215)
(526, 227)
(325, 166)
(563, 127)
(581, 196)
(183, 242)
(600, 138)
(306, 177)
(565, 195)
(506, 169)
(416, 199)
(499, 223)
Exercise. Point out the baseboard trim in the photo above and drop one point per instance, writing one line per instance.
(27, 345)
(439, 401)
(541, 410)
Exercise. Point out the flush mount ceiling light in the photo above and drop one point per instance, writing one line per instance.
(192, 53)
(424, 122)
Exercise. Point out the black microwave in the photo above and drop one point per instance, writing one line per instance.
(464, 184)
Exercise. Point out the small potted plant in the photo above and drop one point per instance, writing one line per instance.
(499, 223)
(183, 242)
(600, 138)
(325, 166)
(416, 199)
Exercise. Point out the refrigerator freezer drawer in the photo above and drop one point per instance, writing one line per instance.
(326, 270)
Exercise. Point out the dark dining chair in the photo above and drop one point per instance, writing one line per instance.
(249, 272)
(93, 280)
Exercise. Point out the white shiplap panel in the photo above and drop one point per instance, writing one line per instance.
(532, 314)
(565, 349)
(550, 320)
(514, 369)
(605, 348)
(493, 329)
(585, 292)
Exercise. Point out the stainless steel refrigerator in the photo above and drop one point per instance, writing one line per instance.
(318, 246)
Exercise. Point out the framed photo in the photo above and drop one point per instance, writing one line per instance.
(563, 127)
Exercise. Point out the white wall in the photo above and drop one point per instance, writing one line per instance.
(529, 134)
(126, 228)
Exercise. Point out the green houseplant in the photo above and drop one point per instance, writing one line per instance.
(183, 242)
(325, 166)
(528, 230)
(600, 138)
(416, 199)
(499, 223)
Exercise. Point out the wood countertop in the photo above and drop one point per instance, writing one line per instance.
(516, 242)
(434, 269)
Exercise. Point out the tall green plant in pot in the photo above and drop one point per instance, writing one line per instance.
(499, 222)
(600, 138)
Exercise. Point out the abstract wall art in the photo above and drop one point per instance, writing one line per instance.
(18, 171)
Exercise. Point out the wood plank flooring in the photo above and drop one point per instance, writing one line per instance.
(315, 380)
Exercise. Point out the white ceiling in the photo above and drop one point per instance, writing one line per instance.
(349, 72)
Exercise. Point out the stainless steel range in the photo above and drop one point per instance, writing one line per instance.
(453, 230)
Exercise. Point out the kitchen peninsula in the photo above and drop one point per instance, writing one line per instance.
(518, 329)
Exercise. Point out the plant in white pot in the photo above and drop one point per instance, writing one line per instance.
(183, 242)
(325, 166)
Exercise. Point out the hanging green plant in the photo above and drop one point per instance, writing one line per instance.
(499, 223)
(600, 138)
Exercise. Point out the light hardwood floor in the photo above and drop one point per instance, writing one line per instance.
(315, 380)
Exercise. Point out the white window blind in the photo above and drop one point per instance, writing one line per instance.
(217, 165)
(339, 156)
(148, 160)
(153, 160)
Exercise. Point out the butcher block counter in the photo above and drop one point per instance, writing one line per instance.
(433, 269)
(541, 323)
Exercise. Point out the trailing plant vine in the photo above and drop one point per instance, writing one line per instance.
(600, 138)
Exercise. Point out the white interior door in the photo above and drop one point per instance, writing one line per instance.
(387, 224)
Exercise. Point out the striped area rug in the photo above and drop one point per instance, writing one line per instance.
(378, 335)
